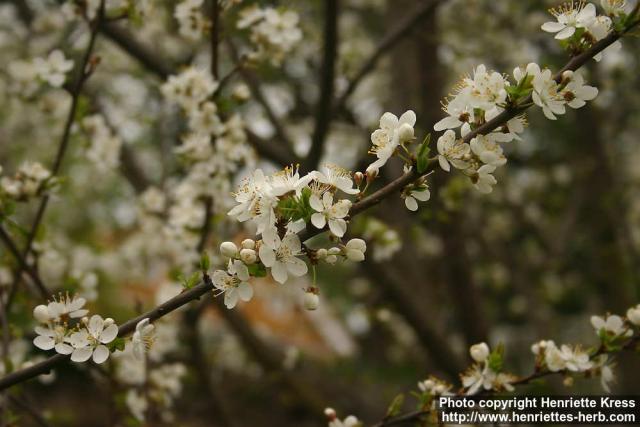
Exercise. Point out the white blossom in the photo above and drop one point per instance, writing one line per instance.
(234, 283)
(576, 92)
(570, 16)
(633, 315)
(329, 212)
(612, 324)
(280, 255)
(451, 150)
(89, 342)
(54, 68)
(142, 338)
(336, 177)
(389, 136)
(355, 249)
(479, 352)
(411, 200)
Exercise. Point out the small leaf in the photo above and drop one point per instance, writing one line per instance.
(205, 262)
(396, 406)
(117, 344)
(423, 154)
(257, 270)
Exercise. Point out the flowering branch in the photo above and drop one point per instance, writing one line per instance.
(84, 71)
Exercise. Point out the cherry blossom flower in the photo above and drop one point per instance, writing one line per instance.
(390, 135)
(612, 324)
(54, 68)
(288, 181)
(336, 177)
(565, 357)
(576, 92)
(281, 255)
(89, 342)
(570, 16)
(66, 307)
(485, 181)
(451, 150)
(487, 150)
(234, 283)
(411, 200)
(329, 212)
(355, 249)
(633, 315)
(545, 94)
(52, 336)
(143, 338)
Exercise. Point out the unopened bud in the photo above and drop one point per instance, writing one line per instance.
(41, 313)
(358, 177)
(311, 300)
(372, 173)
(248, 244)
(248, 256)
(567, 76)
(479, 352)
(321, 253)
(109, 321)
(228, 249)
(330, 413)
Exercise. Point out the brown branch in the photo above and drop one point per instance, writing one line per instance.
(137, 50)
(401, 30)
(327, 77)
(84, 71)
(13, 248)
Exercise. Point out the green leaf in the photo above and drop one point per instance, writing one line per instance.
(117, 344)
(496, 360)
(205, 262)
(257, 270)
(396, 405)
(191, 281)
(423, 154)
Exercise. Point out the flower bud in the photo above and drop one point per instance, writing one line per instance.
(228, 249)
(321, 253)
(330, 413)
(248, 244)
(567, 76)
(311, 300)
(372, 173)
(633, 314)
(331, 259)
(41, 313)
(241, 92)
(358, 177)
(248, 256)
(108, 322)
(405, 132)
(479, 352)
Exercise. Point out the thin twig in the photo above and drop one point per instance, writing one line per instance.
(327, 77)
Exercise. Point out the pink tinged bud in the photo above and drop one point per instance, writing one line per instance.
(228, 249)
(358, 177)
(372, 173)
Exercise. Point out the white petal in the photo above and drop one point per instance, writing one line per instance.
(297, 267)
(44, 343)
(444, 164)
(552, 27)
(411, 203)
(109, 334)
(245, 291)
(63, 348)
(338, 227)
(267, 256)
(231, 298)
(566, 33)
(447, 123)
(292, 241)
(318, 220)
(408, 117)
(100, 354)
(316, 203)
(423, 196)
(388, 121)
(81, 354)
(279, 272)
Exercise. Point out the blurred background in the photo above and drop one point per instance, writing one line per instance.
(556, 242)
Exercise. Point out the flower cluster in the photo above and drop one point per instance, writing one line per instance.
(487, 375)
(31, 180)
(104, 146)
(483, 97)
(192, 23)
(578, 25)
(281, 206)
(334, 421)
(83, 340)
(274, 32)
(52, 70)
